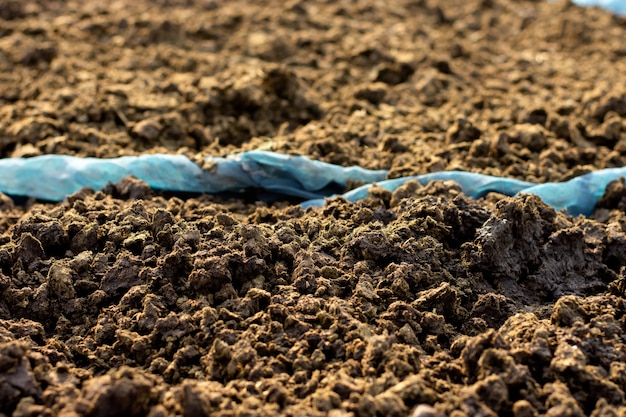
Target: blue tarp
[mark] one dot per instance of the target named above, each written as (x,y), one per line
(616,6)
(576,196)
(53,177)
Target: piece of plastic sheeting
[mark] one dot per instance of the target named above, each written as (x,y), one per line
(615,6)
(578,195)
(53,177)
(473,185)
(299,176)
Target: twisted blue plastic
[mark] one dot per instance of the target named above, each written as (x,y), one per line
(576,196)
(54,177)
(616,6)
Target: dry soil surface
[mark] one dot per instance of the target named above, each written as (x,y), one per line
(422,301)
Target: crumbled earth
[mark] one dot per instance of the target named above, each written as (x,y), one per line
(419,302)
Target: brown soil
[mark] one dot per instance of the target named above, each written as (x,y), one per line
(423,301)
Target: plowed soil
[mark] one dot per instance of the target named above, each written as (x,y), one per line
(419,302)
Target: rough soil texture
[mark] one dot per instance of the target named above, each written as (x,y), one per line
(419,302)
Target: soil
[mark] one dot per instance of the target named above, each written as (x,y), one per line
(419,302)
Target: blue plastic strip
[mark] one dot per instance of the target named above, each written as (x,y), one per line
(615,6)
(576,196)
(54,177)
